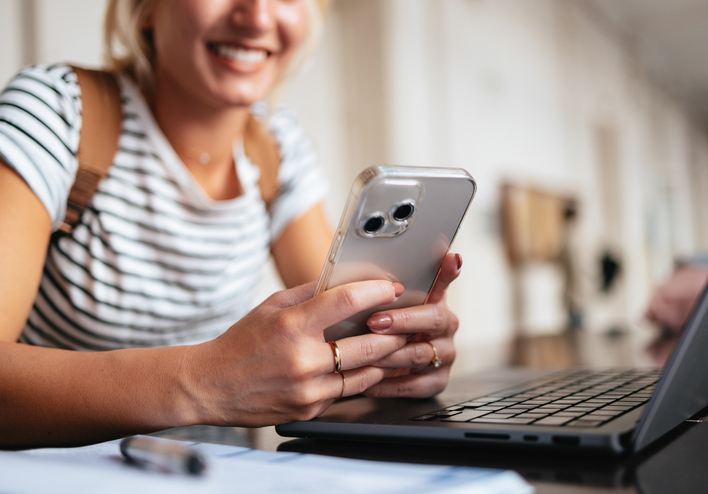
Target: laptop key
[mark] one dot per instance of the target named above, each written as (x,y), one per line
(520,408)
(530,415)
(464,416)
(478,402)
(500,415)
(605,413)
(585,423)
(569,414)
(584,409)
(427,416)
(513,421)
(553,420)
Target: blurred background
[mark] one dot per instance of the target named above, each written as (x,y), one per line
(584,122)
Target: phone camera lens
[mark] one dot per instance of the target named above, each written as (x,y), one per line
(373,224)
(403,212)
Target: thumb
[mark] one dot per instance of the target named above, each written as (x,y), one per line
(294,296)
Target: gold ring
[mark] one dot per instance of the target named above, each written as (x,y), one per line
(344,385)
(435,362)
(337,358)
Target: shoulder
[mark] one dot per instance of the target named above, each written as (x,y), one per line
(280,121)
(40,121)
(293,141)
(50,88)
(59,78)
(302,181)
(282,118)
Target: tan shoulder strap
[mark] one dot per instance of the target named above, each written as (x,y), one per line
(261,149)
(101,123)
(101,115)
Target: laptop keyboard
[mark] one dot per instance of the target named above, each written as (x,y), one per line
(581,398)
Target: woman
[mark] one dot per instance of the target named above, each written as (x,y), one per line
(160,271)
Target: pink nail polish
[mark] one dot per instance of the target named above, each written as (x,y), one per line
(398,289)
(380,322)
(458,258)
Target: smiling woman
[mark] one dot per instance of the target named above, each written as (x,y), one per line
(128,47)
(154,284)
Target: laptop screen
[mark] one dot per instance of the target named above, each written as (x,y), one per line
(682,390)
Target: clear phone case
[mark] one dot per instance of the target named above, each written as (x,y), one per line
(397,225)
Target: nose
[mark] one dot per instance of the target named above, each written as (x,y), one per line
(253,15)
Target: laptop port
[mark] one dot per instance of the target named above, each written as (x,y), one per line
(483,435)
(566,440)
(531,438)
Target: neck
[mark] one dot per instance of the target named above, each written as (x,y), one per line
(193,130)
(203,137)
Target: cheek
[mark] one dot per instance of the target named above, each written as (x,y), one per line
(293,23)
(176,24)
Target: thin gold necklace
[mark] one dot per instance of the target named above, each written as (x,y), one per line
(201,156)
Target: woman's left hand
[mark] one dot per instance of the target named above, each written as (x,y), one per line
(432,326)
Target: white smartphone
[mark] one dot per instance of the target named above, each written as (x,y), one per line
(398,224)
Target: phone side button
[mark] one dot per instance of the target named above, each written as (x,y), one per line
(335,247)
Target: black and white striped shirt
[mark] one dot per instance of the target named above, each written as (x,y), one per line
(154,261)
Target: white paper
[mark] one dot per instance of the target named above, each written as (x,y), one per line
(100,469)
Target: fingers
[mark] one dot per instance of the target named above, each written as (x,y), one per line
(342,302)
(419,355)
(304,400)
(422,385)
(359,351)
(449,271)
(294,296)
(433,319)
(352,382)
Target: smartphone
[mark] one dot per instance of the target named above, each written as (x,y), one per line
(398,224)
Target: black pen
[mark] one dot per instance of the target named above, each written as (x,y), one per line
(162,454)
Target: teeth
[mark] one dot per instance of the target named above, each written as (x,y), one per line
(241,54)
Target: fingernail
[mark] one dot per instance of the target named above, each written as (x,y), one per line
(398,288)
(458,258)
(380,323)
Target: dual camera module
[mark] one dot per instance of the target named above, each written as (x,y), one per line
(400,214)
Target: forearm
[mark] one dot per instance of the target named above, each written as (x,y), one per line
(58,397)
(302,248)
(271,367)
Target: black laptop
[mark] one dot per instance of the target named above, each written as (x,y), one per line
(614,411)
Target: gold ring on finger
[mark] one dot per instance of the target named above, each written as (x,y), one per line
(337,357)
(436,361)
(344,385)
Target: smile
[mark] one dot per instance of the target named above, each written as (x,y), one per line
(237,54)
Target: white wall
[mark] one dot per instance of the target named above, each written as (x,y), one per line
(508,89)
(11,56)
(69,30)
(511,89)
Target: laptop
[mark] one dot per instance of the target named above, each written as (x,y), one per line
(613,411)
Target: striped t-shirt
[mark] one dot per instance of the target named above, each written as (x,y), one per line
(154,261)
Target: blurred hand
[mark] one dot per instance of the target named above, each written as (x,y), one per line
(430,324)
(274,366)
(672,302)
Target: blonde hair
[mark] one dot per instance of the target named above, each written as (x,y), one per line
(127,45)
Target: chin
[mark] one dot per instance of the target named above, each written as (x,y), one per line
(244,95)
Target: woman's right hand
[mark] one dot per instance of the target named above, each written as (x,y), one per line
(274,366)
